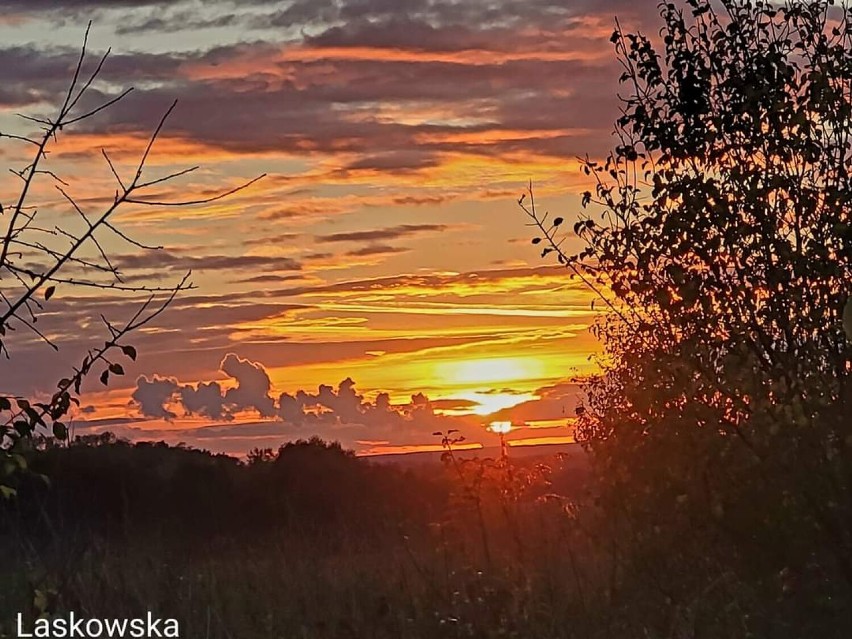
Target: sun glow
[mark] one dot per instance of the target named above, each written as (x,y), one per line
(501,428)
(490,371)
(488,403)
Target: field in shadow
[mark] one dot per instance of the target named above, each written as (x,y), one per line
(307,542)
(311,541)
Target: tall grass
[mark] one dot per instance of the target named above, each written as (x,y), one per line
(473,548)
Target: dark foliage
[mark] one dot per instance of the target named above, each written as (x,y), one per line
(308,540)
(114,489)
(719,236)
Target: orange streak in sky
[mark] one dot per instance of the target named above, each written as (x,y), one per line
(264,60)
(535,441)
(426,448)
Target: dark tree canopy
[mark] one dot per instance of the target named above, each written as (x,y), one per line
(719,235)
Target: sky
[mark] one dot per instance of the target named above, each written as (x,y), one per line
(379,284)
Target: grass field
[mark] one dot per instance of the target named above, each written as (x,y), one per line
(314,542)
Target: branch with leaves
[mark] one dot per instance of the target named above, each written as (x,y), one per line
(35,257)
(718,233)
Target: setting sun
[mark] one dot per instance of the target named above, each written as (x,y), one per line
(490,371)
(501,428)
(488,403)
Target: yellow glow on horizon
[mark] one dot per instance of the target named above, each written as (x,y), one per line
(489,370)
(538,441)
(500,428)
(492,403)
(416,448)
(488,403)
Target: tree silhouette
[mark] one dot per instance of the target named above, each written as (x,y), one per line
(719,239)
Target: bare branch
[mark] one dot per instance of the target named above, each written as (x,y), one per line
(92,235)
(114,285)
(199,201)
(114,172)
(168,177)
(48,259)
(139,319)
(21,138)
(130,240)
(105,105)
(43,337)
(151,143)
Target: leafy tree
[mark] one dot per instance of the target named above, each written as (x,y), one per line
(37,260)
(719,238)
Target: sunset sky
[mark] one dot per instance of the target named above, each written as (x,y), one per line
(379,284)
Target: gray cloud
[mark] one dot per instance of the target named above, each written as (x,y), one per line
(253,386)
(171,261)
(153,395)
(555,402)
(269,279)
(377,249)
(208,398)
(283,105)
(394,162)
(390,233)
(337,413)
(184,20)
